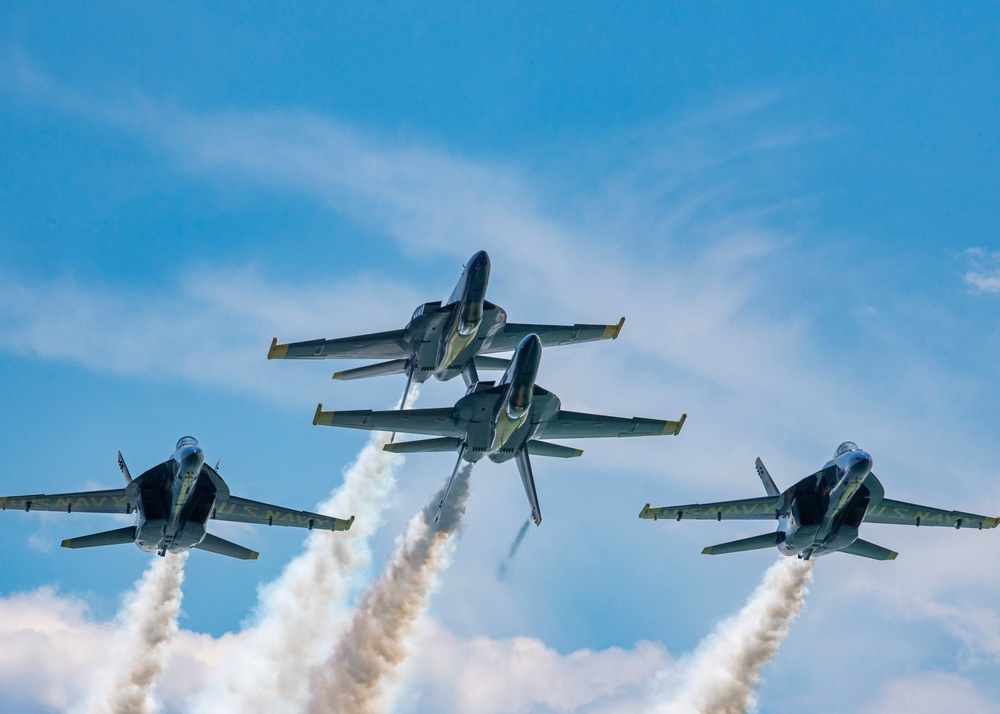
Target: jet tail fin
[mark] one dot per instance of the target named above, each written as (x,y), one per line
(124,468)
(869,550)
(215,544)
(528,479)
(768,540)
(119,536)
(447,490)
(766,479)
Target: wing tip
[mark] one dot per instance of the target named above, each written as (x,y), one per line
(644,513)
(892,555)
(321,417)
(617,328)
(707,550)
(67,543)
(276,351)
(253,555)
(679,424)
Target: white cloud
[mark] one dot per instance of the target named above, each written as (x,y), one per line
(931,693)
(984,275)
(210,330)
(523,674)
(47,662)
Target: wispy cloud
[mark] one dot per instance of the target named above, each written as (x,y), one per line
(210,329)
(984,272)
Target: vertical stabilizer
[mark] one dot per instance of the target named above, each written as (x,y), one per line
(766,479)
(447,490)
(124,468)
(528,479)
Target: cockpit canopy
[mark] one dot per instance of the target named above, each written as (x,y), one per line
(846,447)
(187,441)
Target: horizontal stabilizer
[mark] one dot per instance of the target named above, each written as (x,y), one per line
(214,544)
(869,550)
(545,448)
(396,366)
(423,446)
(768,540)
(487,364)
(118,536)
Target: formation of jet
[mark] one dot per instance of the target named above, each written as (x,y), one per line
(513,419)
(444,340)
(502,421)
(173,502)
(821,513)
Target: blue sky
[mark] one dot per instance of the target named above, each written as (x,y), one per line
(795,207)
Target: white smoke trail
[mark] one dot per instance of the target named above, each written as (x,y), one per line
(723,672)
(355,677)
(300,614)
(149,621)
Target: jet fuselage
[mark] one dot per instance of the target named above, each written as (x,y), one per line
(466,314)
(175,501)
(828,507)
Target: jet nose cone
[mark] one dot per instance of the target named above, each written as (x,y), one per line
(861,461)
(479,267)
(531,346)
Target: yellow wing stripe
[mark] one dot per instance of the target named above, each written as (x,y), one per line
(277,351)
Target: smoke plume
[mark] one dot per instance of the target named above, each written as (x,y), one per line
(723,672)
(355,677)
(300,614)
(148,621)
(505,563)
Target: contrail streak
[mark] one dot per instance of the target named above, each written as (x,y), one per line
(723,672)
(505,563)
(149,621)
(300,615)
(355,677)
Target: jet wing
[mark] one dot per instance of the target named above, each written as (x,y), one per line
(508,337)
(242,510)
(433,422)
(910,514)
(577,425)
(378,345)
(116,500)
(747,509)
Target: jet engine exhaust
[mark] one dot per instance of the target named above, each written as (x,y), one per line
(308,603)
(148,621)
(356,676)
(721,675)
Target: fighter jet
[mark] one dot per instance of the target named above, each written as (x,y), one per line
(173,502)
(502,421)
(443,340)
(821,513)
